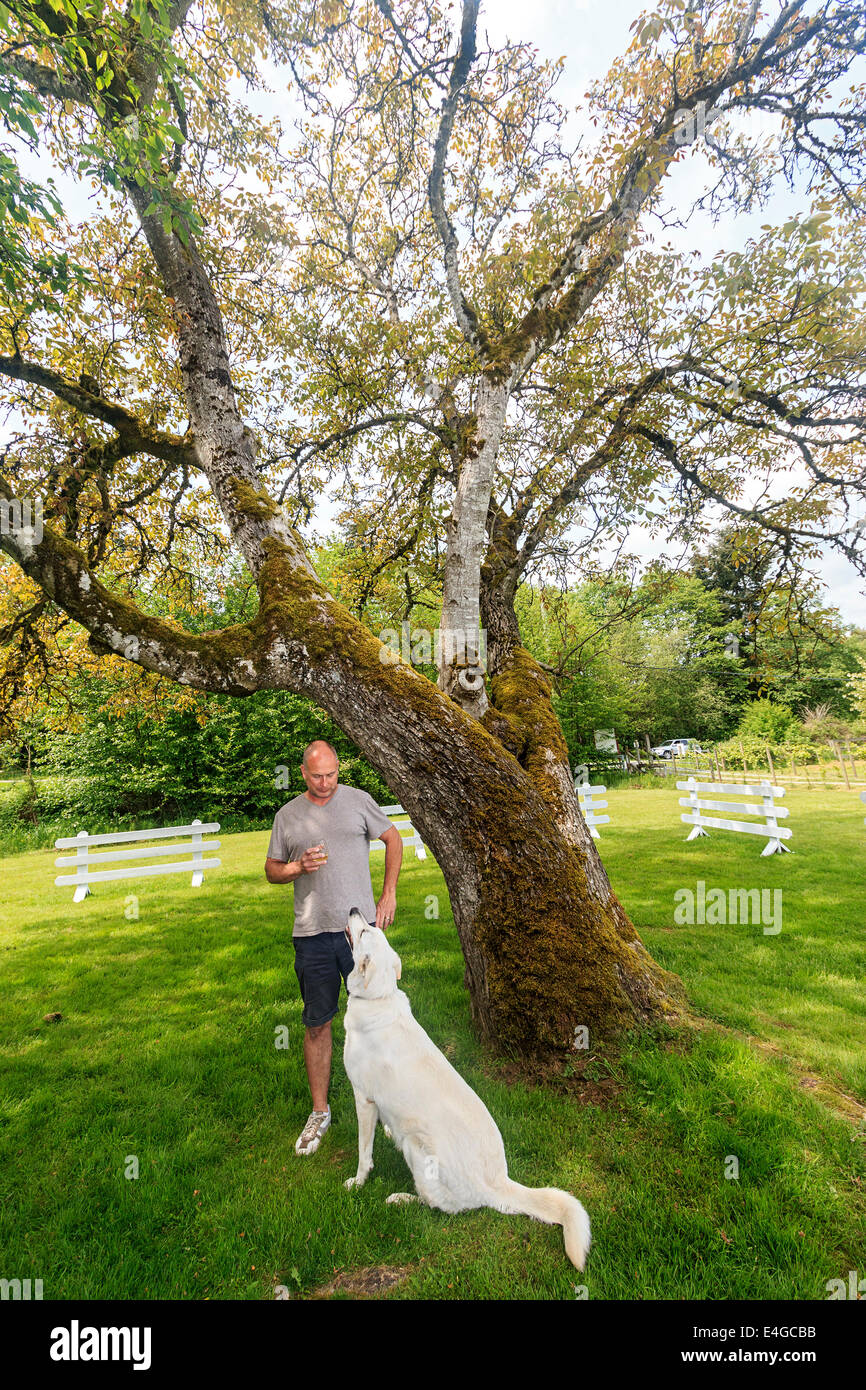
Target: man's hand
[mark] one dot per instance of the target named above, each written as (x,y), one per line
(386,908)
(276,871)
(311,860)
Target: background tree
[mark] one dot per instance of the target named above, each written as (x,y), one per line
(644,659)
(790,642)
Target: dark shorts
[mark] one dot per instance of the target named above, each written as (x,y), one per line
(320,962)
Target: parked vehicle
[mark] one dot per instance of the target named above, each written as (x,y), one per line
(677,748)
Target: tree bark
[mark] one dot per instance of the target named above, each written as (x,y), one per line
(461,673)
(522,715)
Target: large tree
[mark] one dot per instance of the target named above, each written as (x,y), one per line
(427,286)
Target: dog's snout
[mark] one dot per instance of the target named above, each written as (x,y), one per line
(353,912)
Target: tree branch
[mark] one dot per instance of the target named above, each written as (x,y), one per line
(465,314)
(210,661)
(545,324)
(133,435)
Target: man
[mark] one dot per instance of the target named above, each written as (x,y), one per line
(327,885)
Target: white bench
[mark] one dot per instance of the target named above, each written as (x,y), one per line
(413,839)
(863,798)
(589,807)
(83,859)
(767,809)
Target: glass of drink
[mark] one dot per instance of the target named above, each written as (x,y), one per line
(322,848)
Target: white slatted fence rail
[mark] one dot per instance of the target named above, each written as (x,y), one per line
(589,806)
(83,860)
(412,839)
(768,809)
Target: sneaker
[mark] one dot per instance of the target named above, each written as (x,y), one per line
(311,1135)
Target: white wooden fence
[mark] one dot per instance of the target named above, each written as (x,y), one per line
(589,806)
(412,839)
(83,859)
(767,809)
(863,798)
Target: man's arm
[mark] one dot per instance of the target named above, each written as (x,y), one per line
(278,872)
(386,907)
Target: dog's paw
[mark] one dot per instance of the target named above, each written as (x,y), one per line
(356,1181)
(398,1197)
(388,1134)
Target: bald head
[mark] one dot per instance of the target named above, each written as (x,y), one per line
(320,770)
(318,746)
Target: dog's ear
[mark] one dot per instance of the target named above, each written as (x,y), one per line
(364,969)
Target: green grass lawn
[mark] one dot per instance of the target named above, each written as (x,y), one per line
(166,1052)
(802,989)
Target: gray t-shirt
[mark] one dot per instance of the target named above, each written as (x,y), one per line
(348,821)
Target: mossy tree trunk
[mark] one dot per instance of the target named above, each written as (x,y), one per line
(522,714)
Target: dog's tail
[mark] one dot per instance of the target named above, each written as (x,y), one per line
(554,1206)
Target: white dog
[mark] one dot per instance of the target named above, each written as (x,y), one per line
(447,1135)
